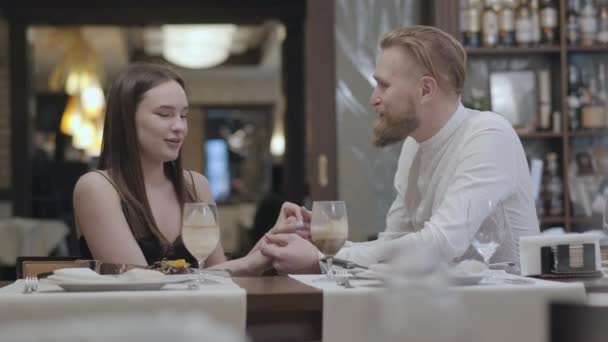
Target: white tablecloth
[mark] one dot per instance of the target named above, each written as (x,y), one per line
(223,302)
(29,237)
(494,313)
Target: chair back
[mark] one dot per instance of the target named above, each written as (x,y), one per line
(578,322)
(31,266)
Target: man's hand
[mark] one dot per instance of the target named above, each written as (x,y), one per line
(290,253)
(293,219)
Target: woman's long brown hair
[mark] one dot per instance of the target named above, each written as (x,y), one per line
(120,149)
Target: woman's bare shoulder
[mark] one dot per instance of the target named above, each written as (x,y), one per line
(94,183)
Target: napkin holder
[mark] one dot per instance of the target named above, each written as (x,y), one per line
(560,256)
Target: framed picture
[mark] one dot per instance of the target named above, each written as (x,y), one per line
(513,94)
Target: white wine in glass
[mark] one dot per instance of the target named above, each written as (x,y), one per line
(329,229)
(200,231)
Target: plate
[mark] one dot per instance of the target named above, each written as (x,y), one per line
(91,286)
(465,279)
(370,274)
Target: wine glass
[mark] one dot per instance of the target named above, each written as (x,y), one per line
(491,232)
(329,229)
(200,231)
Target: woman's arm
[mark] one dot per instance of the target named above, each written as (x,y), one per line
(100,219)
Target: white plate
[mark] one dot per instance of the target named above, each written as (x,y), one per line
(465,279)
(146,285)
(369,274)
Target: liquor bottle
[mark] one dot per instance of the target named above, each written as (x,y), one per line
(592,113)
(548,22)
(506,23)
(574,100)
(535,15)
(544,98)
(554,186)
(473,31)
(523,24)
(588,20)
(602,18)
(489,28)
(573,27)
(463,21)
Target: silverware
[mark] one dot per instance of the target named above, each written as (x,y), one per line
(345,263)
(502,264)
(342,279)
(30,284)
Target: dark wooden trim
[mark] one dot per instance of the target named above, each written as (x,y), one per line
(443,14)
(6,194)
(294,161)
(21,145)
(132,12)
(321,97)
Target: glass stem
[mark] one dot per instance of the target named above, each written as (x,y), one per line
(201,266)
(330,270)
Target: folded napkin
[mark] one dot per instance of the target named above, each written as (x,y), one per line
(530,249)
(79,274)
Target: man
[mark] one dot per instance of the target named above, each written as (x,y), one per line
(458,167)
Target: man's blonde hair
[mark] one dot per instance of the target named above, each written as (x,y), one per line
(437,53)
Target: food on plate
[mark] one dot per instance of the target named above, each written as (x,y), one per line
(179,266)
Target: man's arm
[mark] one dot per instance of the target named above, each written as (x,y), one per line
(485,172)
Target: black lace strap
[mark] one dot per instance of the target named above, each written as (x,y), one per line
(193,186)
(123,205)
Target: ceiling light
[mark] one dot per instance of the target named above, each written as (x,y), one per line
(197,46)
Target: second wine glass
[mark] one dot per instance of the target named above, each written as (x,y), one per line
(200,231)
(329,229)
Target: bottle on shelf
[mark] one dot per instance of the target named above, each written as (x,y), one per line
(554,189)
(602,91)
(574,97)
(602,21)
(544,99)
(549,19)
(573,27)
(489,29)
(534,13)
(523,24)
(506,23)
(588,20)
(472,33)
(592,114)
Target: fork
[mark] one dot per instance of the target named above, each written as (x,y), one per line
(31,284)
(342,279)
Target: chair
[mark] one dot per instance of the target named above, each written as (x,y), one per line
(578,322)
(34,265)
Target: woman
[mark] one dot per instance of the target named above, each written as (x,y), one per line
(129,211)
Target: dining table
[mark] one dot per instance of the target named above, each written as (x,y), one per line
(296,308)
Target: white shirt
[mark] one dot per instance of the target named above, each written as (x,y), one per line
(475,159)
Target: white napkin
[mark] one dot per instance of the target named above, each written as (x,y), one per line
(79,274)
(530,246)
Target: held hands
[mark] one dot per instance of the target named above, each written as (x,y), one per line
(293,219)
(290,253)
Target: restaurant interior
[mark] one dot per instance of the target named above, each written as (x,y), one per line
(279,111)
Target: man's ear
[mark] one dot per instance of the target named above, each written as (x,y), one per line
(428,88)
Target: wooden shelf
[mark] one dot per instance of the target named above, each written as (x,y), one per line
(587,220)
(589,133)
(531,135)
(551,219)
(512,50)
(595,48)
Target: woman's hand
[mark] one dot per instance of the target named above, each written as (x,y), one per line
(293,219)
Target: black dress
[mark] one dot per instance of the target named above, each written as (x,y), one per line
(151,247)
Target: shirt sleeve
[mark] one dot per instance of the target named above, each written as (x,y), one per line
(484,172)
